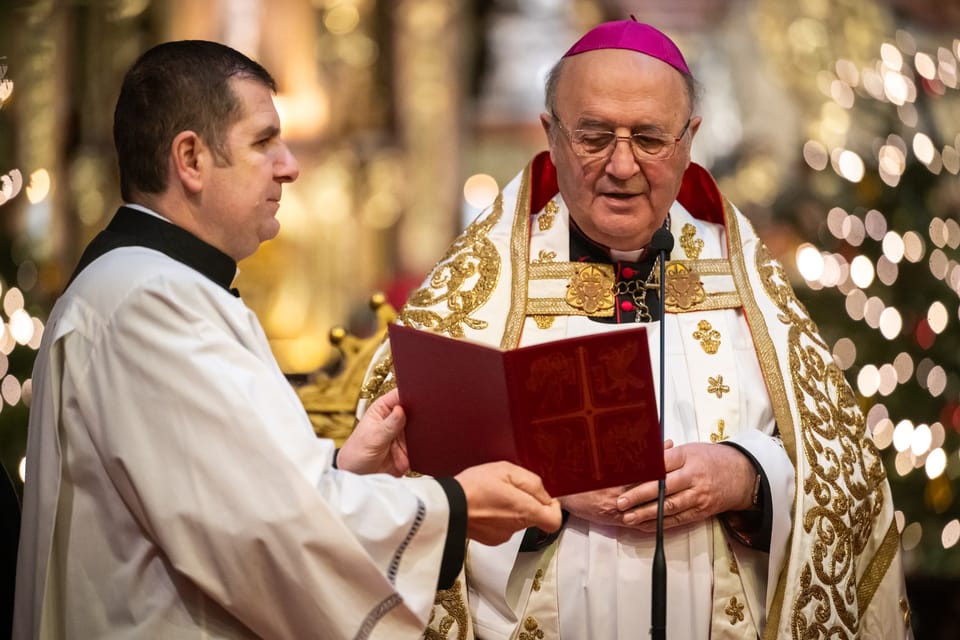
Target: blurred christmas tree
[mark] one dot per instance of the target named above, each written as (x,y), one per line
(878,201)
(20,333)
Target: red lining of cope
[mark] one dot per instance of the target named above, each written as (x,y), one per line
(698,191)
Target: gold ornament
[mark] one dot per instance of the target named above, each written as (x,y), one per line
(684,289)
(691,246)
(716,386)
(734,610)
(590,290)
(719,435)
(708,336)
(545,219)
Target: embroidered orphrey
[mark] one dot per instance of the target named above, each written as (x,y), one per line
(844,483)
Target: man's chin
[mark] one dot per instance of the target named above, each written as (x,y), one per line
(270,230)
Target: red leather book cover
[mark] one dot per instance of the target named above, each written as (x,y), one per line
(580,412)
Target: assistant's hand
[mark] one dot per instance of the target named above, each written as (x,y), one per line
(503,498)
(703,479)
(378,444)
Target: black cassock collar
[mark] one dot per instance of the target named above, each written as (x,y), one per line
(132,228)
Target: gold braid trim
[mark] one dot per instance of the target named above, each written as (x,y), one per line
(767,356)
(519,259)
(878,567)
(463,280)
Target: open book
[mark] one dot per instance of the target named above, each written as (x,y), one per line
(580,412)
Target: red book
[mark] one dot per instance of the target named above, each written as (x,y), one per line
(579,412)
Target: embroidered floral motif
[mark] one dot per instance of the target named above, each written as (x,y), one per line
(462,281)
(735,610)
(532,630)
(708,336)
(718,435)
(545,256)
(536,579)
(454,612)
(715,385)
(543,321)
(590,290)
(691,247)
(684,289)
(545,219)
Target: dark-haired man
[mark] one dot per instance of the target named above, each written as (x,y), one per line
(174,487)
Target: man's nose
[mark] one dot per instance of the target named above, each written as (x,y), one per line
(288,168)
(622,162)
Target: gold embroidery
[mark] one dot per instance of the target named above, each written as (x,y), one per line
(463,281)
(735,610)
(844,486)
(545,256)
(718,435)
(691,247)
(683,286)
(708,336)
(380,379)
(545,219)
(905,609)
(532,630)
(590,290)
(543,322)
(454,607)
(536,579)
(734,569)
(715,385)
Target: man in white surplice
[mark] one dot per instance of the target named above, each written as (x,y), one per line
(174,485)
(778,519)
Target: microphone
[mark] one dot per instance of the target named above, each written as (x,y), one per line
(662,242)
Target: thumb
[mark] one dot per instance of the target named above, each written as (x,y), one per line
(394,422)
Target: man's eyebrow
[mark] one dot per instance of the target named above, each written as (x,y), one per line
(594,123)
(269,131)
(587,122)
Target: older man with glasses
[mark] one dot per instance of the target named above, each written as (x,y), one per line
(777,513)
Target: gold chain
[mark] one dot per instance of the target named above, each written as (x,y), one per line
(638,291)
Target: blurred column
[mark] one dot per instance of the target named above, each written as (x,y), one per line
(429,85)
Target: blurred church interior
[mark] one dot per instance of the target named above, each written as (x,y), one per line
(830,123)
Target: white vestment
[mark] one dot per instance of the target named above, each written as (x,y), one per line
(175,487)
(742,359)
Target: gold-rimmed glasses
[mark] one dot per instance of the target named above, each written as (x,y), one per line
(597,144)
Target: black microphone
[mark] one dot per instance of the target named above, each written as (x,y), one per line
(661,242)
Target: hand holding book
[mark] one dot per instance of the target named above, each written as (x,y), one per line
(579,412)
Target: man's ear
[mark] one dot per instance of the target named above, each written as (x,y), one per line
(695,122)
(187,153)
(546,121)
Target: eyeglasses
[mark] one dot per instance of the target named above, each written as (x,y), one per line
(597,144)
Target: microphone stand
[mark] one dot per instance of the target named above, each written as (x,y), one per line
(663,241)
